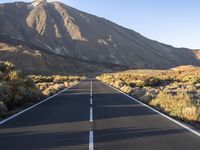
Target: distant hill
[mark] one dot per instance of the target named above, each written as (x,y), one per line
(69,39)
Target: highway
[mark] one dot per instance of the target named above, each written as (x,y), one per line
(93,116)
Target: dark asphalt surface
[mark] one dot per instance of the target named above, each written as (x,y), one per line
(119,123)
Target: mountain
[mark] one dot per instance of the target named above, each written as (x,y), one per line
(34,61)
(57,30)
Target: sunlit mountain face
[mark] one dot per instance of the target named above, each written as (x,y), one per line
(55,29)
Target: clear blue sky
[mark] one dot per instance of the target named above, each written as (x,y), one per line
(174,22)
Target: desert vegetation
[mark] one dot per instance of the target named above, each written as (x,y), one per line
(18,90)
(175,92)
(49,85)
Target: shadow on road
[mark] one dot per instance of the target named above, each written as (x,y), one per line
(64,138)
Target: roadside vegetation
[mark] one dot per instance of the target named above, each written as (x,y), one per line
(18,90)
(175,92)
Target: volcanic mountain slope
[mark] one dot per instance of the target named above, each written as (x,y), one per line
(61,30)
(34,61)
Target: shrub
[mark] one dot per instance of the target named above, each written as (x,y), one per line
(174,92)
(9,66)
(28,82)
(146,98)
(49,91)
(5,93)
(119,84)
(126,89)
(152,81)
(15,75)
(177,105)
(2,67)
(132,84)
(17,89)
(40,79)
(6,66)
(191,78)
(60,79)
(3,109)
(137,92)
(66,84)
(140,83)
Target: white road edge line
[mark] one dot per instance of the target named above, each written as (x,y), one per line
(31,107)
(91,142)
(160,113)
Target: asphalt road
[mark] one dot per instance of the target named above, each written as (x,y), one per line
(94,117)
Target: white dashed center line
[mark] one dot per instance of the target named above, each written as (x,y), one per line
(91,114)
(91,134)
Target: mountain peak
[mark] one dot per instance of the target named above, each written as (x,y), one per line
(40,1)
(37,2)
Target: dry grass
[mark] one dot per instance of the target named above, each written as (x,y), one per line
(175,92)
